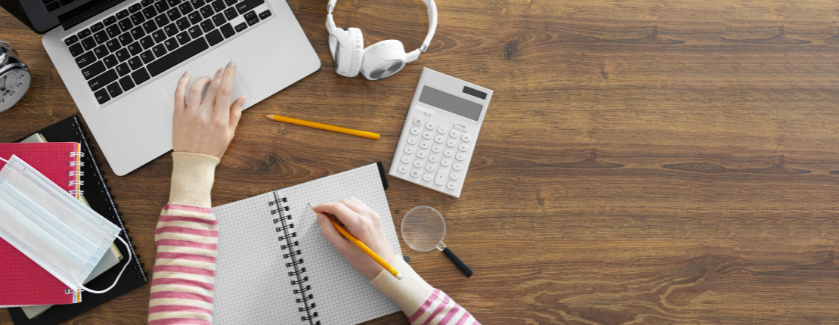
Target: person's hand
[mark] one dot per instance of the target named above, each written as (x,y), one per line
(206,126)
(363,223)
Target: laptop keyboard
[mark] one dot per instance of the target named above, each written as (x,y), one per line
(148,38)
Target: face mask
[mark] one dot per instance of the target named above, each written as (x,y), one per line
(52,228)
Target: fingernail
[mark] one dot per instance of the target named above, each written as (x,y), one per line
(231,64)
(186,73)
(320,217)
(220,70)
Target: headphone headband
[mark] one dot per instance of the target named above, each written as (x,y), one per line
(432,23)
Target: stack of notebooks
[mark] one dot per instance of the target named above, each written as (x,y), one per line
(63,154)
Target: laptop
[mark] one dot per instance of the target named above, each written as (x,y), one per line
(121,60)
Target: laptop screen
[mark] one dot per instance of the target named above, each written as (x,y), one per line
(43,15)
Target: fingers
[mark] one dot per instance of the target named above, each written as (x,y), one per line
(194,100)
(180,92)
(224,91)
(236,112)
(357,206)
(327,229)
(210,98)
(340,211)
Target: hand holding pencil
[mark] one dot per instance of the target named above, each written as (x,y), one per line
(364,224)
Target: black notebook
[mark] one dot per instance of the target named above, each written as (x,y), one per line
(95,190)
(273,266)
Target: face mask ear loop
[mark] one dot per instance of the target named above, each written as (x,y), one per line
(128,261)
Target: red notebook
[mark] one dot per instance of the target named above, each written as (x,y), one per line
(22,281)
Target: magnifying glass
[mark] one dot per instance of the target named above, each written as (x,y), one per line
(423,229)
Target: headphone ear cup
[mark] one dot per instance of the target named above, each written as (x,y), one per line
(383,59)
(339,45)
(356,47)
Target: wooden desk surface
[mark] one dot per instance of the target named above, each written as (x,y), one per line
(641,161)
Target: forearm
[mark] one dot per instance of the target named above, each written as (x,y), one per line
(186,237)
(422,303)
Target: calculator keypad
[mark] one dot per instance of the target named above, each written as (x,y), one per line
(434,155)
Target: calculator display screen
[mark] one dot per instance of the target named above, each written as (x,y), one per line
(451,103)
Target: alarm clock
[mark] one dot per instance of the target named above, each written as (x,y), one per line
(14,77)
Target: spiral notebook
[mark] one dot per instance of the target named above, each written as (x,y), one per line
(274,267)
(22,281)
(99,198)
(58,161)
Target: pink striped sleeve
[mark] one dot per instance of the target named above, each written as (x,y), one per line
(184,270)
(440,309)
(173,207)
(422,303)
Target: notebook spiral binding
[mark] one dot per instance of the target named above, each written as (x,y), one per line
(87,151)
(285,228)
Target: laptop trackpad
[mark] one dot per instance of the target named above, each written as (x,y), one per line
(207,69)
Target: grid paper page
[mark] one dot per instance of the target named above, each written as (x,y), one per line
(252,282)
(342,294)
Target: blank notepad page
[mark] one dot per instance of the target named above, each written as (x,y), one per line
(253,284)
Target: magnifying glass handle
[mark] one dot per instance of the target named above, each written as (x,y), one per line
(457,262)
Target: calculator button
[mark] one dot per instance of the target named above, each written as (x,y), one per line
(448,152)
(442,129)
(430,125)
(457,166)
(410,150)
(425,144)
(436,148)
(451,143)
(412,140)
(460,156)
(430,168)
(418,163)
(446,162)
(427,135)
(403,169)
(406,160)
(439,139)
(417,121)
(415,173)
(454,176)
(454,134)
(463,147)
(427,177)
(466,137)
(433,159)
(441,176)
(451,185)
(422,154)
(415,131)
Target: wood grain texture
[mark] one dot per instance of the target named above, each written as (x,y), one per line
(642,162)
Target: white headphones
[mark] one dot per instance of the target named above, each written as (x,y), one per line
(380,60)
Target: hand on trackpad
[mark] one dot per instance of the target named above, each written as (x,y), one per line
(207,69)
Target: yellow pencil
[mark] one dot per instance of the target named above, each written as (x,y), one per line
(322,126)
(364,248)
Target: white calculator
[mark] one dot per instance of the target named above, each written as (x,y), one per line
(440,132)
